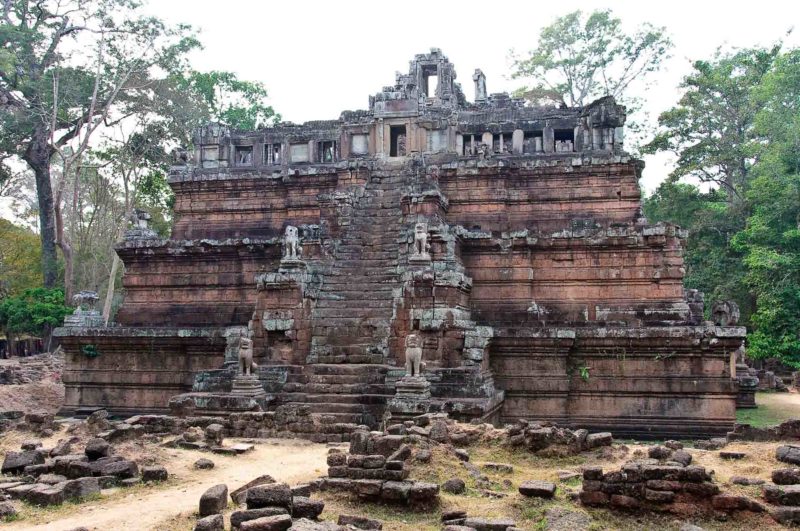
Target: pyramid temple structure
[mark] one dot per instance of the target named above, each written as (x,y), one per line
(497,248)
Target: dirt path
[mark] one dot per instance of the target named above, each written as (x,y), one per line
(286,460)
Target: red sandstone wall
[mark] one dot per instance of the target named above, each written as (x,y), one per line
(257,207)
(542,199)
(193,286)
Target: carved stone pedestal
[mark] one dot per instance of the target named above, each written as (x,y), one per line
(247,386)
(748,385)
(412,398)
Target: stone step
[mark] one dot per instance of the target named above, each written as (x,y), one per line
(365,368)
(345,379)
(342,403)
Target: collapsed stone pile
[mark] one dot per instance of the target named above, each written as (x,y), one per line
(51,476)
(288,421)
(32,369)
(376,469)
(548,438)
(270,506)
(39,423)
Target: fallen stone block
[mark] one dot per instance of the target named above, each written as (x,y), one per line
(81,489)
(303,507)
(783,494)
(51,479)
(537,489)
(786,515)
(788,454)
(730,502)
(786,476)
(214,500)
(238,496)
(122,469)
(15,462)
(80,469)
(498,467)
(238,517)
(360,522)
(396,490)
(596,440)
(454,486)
(732,455)
(278,522)
(155,473)
(45,495)
(7,510)
(215,522)
(269,495)
(423,493)
(97,448)
(489,524)
(304,489)
(203,464)
(621,501)
(367,488)
(741,480)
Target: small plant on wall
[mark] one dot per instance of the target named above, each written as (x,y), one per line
(90,351)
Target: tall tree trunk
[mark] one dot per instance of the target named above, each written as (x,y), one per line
(37,155)
(62,239)
(112,279)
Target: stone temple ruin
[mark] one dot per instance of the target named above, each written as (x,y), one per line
(501,247)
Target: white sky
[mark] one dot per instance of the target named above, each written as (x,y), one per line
(318,58)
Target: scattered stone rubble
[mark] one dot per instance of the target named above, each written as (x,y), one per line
(32,369)
(545,438)
(51,476)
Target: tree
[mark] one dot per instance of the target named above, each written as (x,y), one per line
(771,240)
(54,98)
(35,311)
(711,130)
(20,259)
(712,265)
(579,59)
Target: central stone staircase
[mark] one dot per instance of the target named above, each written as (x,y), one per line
(351,322)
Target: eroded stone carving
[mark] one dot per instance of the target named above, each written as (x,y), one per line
(480,85)
(725,313)
(246,363)
(85,313)
(421,246)
(140,226)
(413,356)
(292,250)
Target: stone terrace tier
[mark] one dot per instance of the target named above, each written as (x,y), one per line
(509,239)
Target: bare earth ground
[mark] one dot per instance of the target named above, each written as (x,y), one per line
(173,505)
(42,397)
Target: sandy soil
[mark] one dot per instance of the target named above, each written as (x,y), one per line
(143,509)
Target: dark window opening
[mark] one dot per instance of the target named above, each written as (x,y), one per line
(564,140)
(497,143)
(397,138)
(430,80)
(327,151)
(272,154)
(244,155)
(532,141)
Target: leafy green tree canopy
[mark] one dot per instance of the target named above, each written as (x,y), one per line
(580,58)
(33,311)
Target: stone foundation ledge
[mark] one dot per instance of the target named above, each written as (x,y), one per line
(141,331)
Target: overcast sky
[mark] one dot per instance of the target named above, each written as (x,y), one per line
(320,58)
